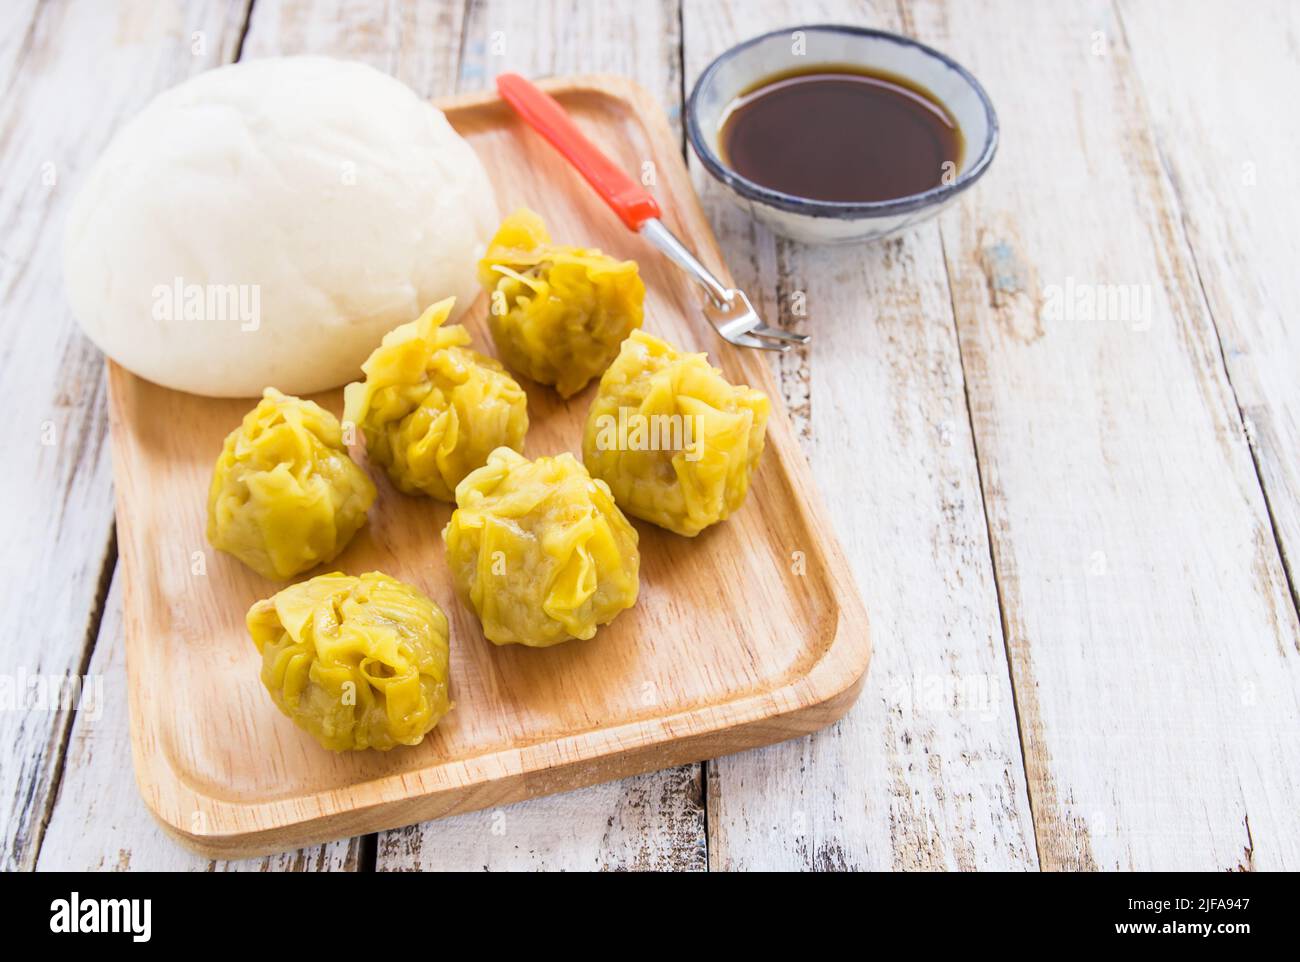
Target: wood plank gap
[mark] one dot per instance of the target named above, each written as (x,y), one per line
(243,31)
(681,100)
(24,47)
(704,807)
(368,853)
(466,12)
(993,560)
(701,769)
(1182,207)
(63,734)
(1278,543)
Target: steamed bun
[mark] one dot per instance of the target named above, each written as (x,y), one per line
(267,222)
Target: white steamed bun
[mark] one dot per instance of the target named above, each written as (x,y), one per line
(323,201)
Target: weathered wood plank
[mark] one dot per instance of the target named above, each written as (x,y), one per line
(555,37)
(655,821)
(925,772)
(17,24)
(1216,96)
(648,823)
(79,71)
(100,822)
(1133,545)
(417,42)
(1152,635)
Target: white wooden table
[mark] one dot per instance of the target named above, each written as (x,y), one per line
(1074,518)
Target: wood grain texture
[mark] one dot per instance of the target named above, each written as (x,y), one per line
(105,810)
(417,41)
(17,28)
(1146,602)
(541,38)
(100,824)
(1152,635)
(925,772)
(648,823)
(695,669)
(1212,93)
(78,70)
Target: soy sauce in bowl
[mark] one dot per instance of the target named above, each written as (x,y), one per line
(841,133)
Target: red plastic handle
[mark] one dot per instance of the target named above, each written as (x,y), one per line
(633,203)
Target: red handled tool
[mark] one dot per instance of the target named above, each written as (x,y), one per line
(730,311)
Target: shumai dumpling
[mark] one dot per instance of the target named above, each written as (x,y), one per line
(557,314)
(674,440)
(432,410)
(285,496)
(359,662)
(540,551)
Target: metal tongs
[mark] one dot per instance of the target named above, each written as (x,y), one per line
(729,311)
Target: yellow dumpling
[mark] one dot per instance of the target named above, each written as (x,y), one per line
(557,314)
(432,410)
(359,662)
(285,496)
(674,440)
(539,550)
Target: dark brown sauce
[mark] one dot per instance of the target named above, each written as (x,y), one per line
(841,133)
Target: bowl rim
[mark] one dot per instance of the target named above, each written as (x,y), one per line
(841,210)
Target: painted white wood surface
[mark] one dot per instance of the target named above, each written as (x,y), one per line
(1218,99)
(1152,635)
(17,26)
(925,771)
(98,820)
(100,824)
(1104,523)
(78,71)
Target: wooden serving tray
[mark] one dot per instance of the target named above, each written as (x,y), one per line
(749,634)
